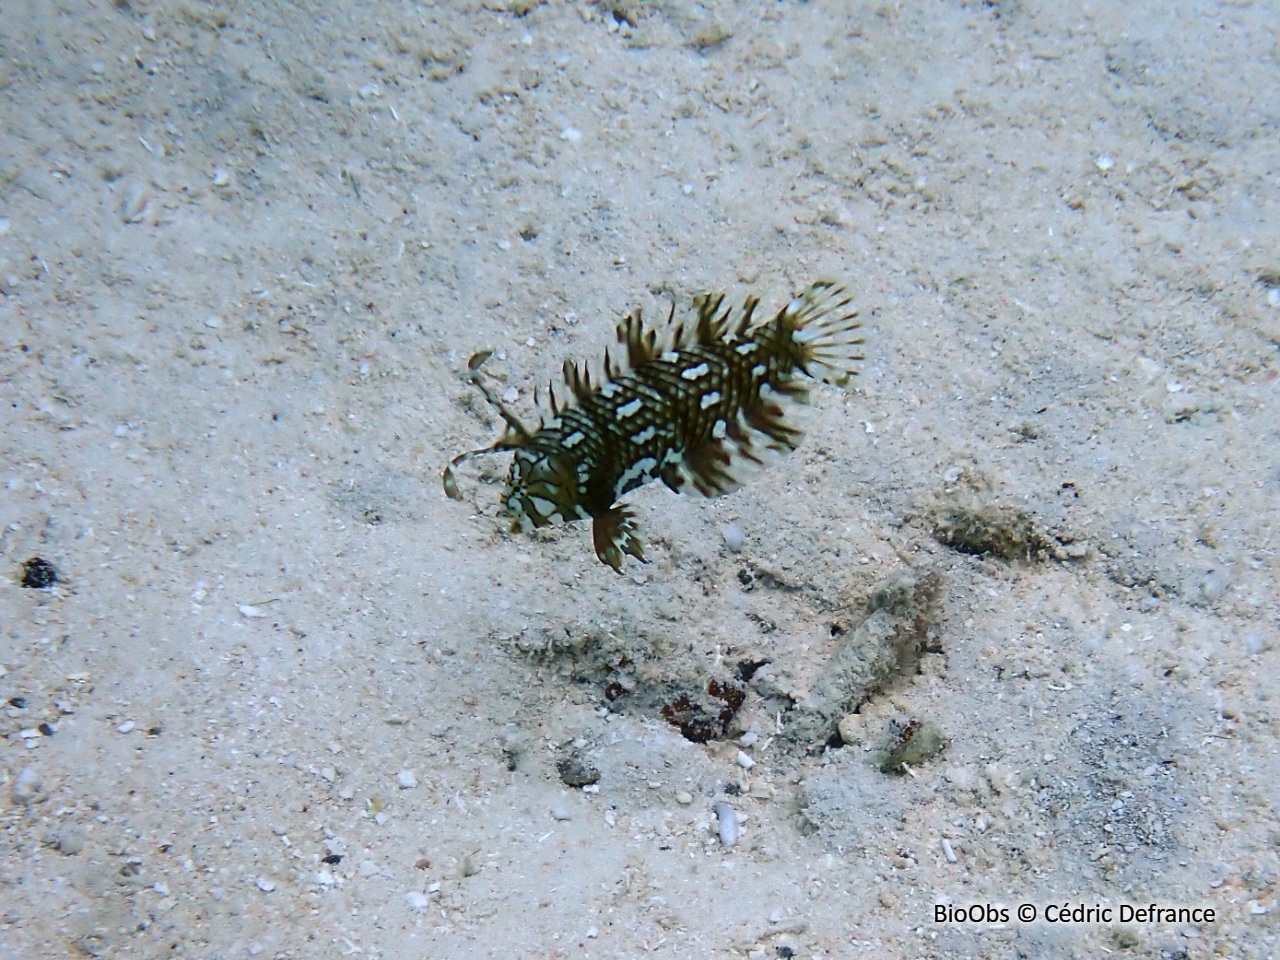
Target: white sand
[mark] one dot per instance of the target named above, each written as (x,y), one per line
(245,252)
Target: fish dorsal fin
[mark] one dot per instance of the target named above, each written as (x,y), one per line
(641,343)
(713,317)
(553,402)
(577,378)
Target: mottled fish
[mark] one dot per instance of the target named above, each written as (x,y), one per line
(690,409)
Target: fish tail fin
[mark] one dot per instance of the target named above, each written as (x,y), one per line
(825,330)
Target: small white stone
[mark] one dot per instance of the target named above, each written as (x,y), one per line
(324,878)
(572,134)
(1104,163)
(560,812)
(249,611)
(265,885)
(328,773)
(126,727)
(592,933)
(748,739)
(687,188)
(744,761)
(733,537)
(684,797)
(511,395)
(948,851)
(727,818)
(417,900)
(161,888)
(406,779)
(213,323)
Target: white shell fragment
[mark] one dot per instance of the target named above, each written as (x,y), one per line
(728,819)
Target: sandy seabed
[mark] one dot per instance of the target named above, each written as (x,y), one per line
(1003,632)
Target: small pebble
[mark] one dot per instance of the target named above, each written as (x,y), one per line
(744,761)
(126,727)
(948,851)
(592,933)
(328,773)
(417,900)
(38,574)
(406,779)
(572,134)
(265,885)
(576,771)
(69,839)
(728,823)
(733,537)
(684,797)
(559,812)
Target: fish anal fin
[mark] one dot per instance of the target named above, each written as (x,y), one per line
(615,533)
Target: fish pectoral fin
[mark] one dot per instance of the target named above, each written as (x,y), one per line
(615,533)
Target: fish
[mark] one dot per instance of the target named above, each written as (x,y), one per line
(697,407)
